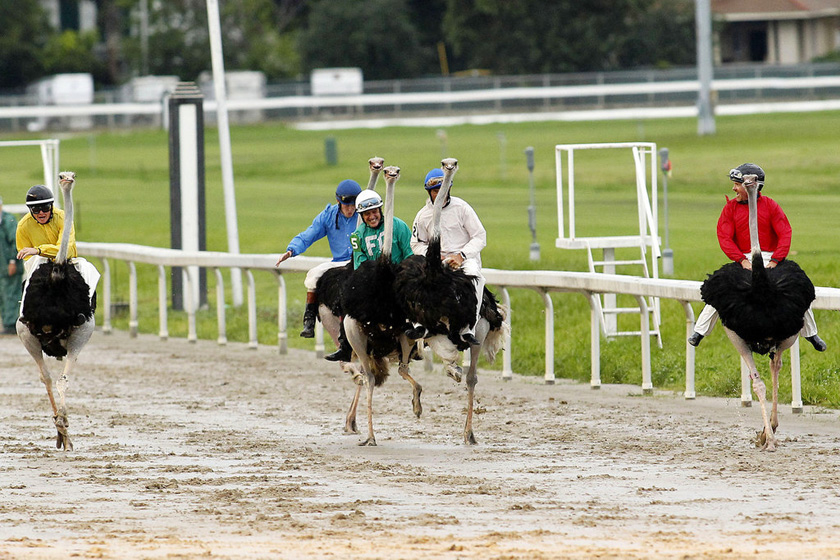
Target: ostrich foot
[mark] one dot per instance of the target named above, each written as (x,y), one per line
(350,427)
(454,371)
(763,442)
(369,442)
(415,402)
(62,439)
(469,438)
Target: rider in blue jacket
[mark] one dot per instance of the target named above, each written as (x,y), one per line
(337,223)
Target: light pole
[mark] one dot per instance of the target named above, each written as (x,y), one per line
(667,253)
(532,209)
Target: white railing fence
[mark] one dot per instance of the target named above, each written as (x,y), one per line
(590,285)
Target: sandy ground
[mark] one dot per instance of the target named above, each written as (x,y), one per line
(194,450)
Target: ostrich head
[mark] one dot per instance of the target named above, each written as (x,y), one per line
(66,179)
(449,164)
(392,173)
(375,164)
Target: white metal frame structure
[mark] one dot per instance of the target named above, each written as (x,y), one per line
(49,160)
(645,164)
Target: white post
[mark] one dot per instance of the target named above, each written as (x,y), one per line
(689,351)
(214,28)
(595,342)
(507,369)
(795,381)
(549,338)
(746,395)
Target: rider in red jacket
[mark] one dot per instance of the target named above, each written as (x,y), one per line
(733,231)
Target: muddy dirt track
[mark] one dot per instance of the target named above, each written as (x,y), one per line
(194,450)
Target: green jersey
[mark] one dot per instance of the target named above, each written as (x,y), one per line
(367,242)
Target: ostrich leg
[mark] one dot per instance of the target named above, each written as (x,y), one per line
(472,380)
(358,341)
(350,420)
(766,440)
(59,417)
(406,347)
(775,368)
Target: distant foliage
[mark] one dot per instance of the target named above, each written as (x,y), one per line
(376,35)
(25,30)
(534,36)
(387,39)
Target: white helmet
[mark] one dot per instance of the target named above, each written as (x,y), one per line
(368,200)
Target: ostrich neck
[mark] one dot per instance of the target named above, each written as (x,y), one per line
(374,175)
(440,202)
(752,200)
(68,225)
(388,218)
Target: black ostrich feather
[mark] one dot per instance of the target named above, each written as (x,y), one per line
(368,296)
(763,306)
(56,302)
(432,294)
(329,287)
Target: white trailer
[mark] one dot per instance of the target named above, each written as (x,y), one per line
(64,90)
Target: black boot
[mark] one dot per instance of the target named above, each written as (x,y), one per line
(695,338)
(344,352)
(819,344)
(309,320)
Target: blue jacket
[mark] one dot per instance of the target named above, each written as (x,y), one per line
(332,224)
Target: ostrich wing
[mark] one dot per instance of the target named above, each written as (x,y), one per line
(329,287)
(56,302)
(368,295)
(434,295)
(763,305)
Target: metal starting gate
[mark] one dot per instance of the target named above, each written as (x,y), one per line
(643,244)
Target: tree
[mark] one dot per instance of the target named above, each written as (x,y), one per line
(535,36)
(72,51)
(375,35)
(25,29)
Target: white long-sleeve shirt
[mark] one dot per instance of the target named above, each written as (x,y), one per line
(461,230)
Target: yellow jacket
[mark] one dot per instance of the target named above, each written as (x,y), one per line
(45,237)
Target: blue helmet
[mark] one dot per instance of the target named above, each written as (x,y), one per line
(347,191)
(434,179)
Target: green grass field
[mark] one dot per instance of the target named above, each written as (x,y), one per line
(282,181)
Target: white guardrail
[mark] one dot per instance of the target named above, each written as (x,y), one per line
(444,98)
(587,284)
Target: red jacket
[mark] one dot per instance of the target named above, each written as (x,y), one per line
(733,229)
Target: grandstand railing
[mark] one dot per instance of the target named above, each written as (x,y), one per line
(653,90)
(587,284)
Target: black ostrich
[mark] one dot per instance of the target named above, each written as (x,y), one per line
(57,316)
(330,313)
(443,301)
(762,311)
(373,321)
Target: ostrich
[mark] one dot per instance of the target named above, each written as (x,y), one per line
(373,321)
(328,288)
(762,311)
(330,313)
(443,301)
(57,315)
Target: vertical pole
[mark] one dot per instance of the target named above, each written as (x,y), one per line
(795,380)
(549,338)
(667,253)
(534,253)
(595,342)
(186,188)
(705,113)
(224,144)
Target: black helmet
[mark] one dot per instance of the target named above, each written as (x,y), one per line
(738,173)
(39,194)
